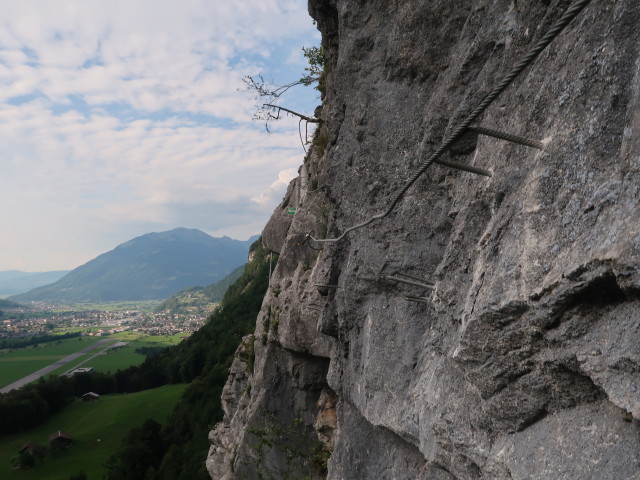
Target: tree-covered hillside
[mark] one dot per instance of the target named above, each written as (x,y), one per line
(195,298)
(8,304)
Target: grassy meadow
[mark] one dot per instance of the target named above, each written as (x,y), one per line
(125,356)
(17,363)
(97,428)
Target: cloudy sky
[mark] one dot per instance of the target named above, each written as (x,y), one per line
(120,118)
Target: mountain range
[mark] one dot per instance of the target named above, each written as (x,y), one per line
(150,267)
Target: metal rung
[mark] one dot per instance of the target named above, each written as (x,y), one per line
(465,167)
(416,299)
(367,277)
(415,278)
(508,136)
(408,282)
(323,285)
(316,308)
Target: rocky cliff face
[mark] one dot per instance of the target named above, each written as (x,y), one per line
(523,358)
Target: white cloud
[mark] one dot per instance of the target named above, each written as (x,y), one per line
(276,189)
(118,118)
(148,54)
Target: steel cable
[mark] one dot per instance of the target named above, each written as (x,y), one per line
(552,33)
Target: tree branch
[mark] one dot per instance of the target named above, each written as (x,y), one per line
(299,115)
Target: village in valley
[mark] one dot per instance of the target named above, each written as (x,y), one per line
(39,318)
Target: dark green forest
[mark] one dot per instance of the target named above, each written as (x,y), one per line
(8,304)
(178,449)
(35,340)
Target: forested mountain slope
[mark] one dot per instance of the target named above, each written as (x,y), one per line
(198,296)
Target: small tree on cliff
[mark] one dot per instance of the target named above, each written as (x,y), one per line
(268,94)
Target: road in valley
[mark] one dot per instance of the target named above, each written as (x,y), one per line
(50,368)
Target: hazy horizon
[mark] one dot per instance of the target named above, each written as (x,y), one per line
(111,248)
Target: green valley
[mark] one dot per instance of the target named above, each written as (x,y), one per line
(97,429)
(196,367)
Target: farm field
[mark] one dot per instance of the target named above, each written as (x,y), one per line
(97,428)
(125,356)
(18,363)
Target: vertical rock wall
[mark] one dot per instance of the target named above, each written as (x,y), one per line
(523,360)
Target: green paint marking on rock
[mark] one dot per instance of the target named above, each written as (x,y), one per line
(291,211)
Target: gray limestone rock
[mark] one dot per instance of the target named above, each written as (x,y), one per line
(522,361)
